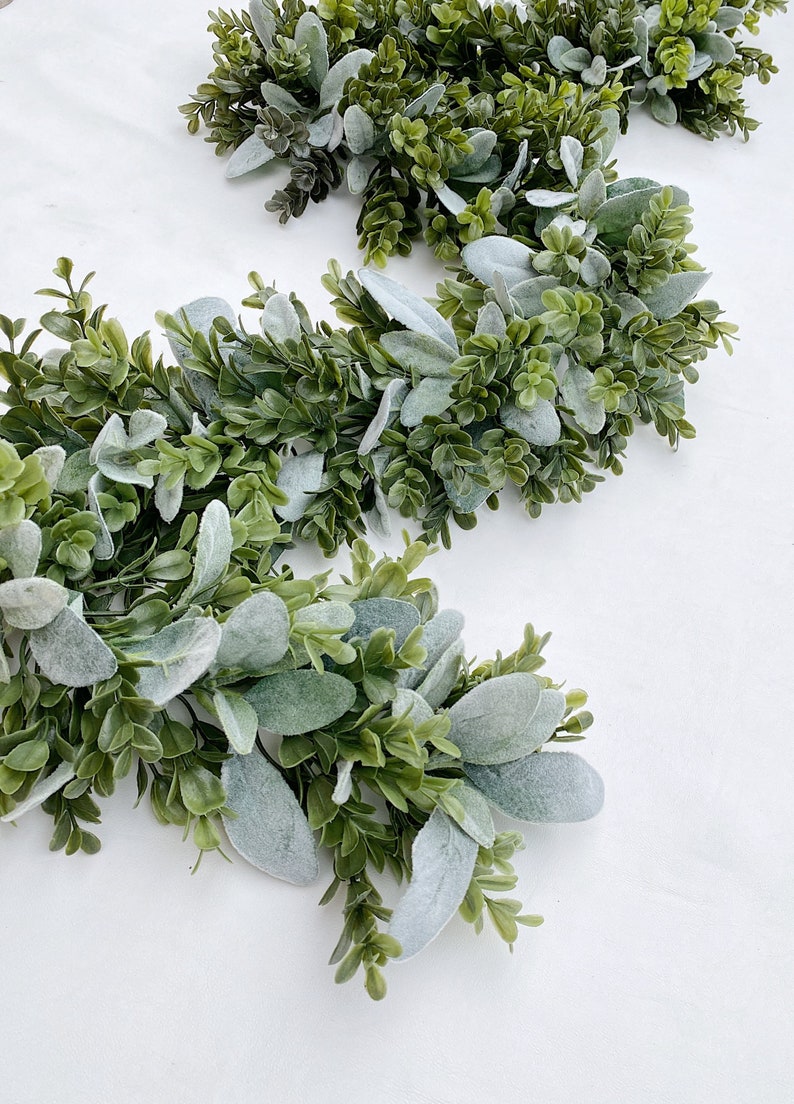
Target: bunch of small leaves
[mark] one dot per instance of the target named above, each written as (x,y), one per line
(147,629)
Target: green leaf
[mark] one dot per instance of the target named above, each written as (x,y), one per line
(201,791)
(69,652)
(406,307)
(439,681)
(415,704)
(270,830)
(359,129)
(442,859)
(263,20)
(31,603)
(427,102)
(200,314)
(592,194)
(547,787)
(292,702)
(44,788)
(255,635)
(30,755)
(213,552)
(238,720)
(476,820)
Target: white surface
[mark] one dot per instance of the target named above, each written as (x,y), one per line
(663,973)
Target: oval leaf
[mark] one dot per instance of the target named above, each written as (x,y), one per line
(69,652)
(300,478)
(680,289)
(293,702)
(494,253)
(255,635)
(489,722)
(31,603)
(476,821)
(590,415)
(20,547)
(384,613)
(249,155)
(338,75)
(238,720)
(439,681)
(547,787)
(406,307)
(44,788)
(539,426)
(280,321)
(200,314)
(438,634)
(430,398)
(213,551)
(443,858)
(180,654)
(310,35)
(420,352)
(359,129)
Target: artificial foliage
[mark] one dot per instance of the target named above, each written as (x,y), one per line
(440,115)
(323,729)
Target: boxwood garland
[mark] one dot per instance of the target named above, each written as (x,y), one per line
(440,115)
(146,628)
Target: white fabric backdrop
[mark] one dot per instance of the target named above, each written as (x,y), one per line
(663,972)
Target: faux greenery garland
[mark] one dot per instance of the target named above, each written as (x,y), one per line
(146,629)
(407,100)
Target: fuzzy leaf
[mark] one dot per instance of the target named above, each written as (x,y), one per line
(572,156)
(418,351)
(515,173)
(611,119)
(592,194)
(543,197)
(453,202)
(546,787)
(443,858)
(539,426)
(439,681)
(595,269)
(629,306)
(438,634)
(415,704)
(494,253)
(590,415)
(528,294)
(543,722)
(482,143)
(280,320)
(292,702)
(490,320)
(52,459)
(69,652)
(680,289)
(276,96)
(200,313)
(488,722)
(213,551)
(310,35)
(384,613)
(470,501)
(627,200)
(76,473)
(300,478)
(182,652)
(270,830)
(338,616)
(428,399)
(406,307)
(20,547)
(255,635)
(359,129)
(249,155)
(44,788)
(357,174)
(104,549)
(718,46)
(485,174)
(477,821)
(390,403)
(427,102)
(263,20)
(663,109)
(31,603)
(338,75)
(238,720)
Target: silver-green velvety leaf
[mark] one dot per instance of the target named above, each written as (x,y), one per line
(357,174)
(384,613)
(104,549)
(543,723)
(468,502)
(69,652)
(539,426)
(359,129)
(77,470)
(427,102)
(439,681)
(558,46)
(238,720)
(592,194)
(728,18)
(453,202)
(270,830)
(338,75)
(680,289)
(442,859)
(249,155)
(546,787)
(528,294)
(494,253)
(167,499)
(390,403)
(407,307)
(292,702)
(344,781)
(611,120)
(31,603)
(255,635)
(430,398)
(201,313)
(718,46)
(276,96)
(576,60)
(418,351)
(438,634)
(629,306)
(338,616)
(280,320)
(490,320)
(572,156)
(300,478)
(44,788)
(181,654)
(52,459)
(477,821)
(482,142)
(213,551)
(595,268)
(663,109)
(486,174)
(408,701)
(489,721)
(263,20)
(514,175)
(627,200)
(544,197)
(589,415)
(310,35)
(20,547)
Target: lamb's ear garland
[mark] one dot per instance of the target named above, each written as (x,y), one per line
(311,727)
